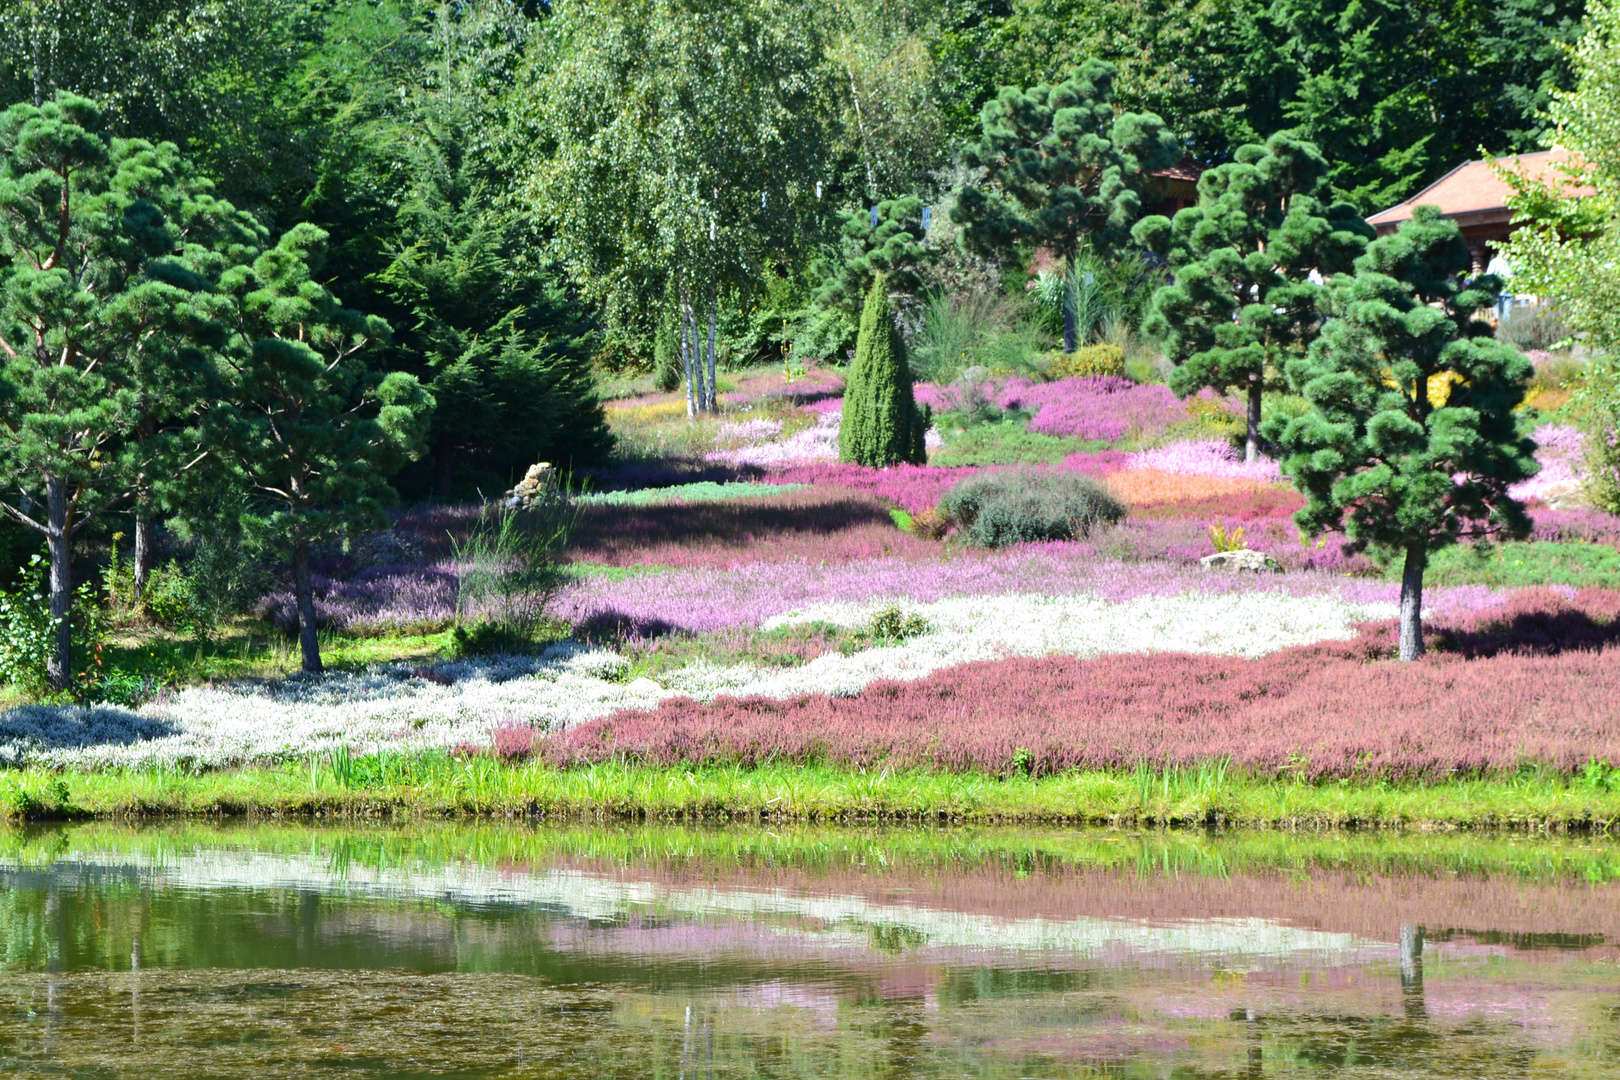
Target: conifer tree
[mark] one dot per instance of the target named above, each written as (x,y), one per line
(1060,169)
(882,424)
(306,432)
(101,303)
(1410,442)
(1241,302)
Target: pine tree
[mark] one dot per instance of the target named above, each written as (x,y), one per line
(101,303)
(306,432)
(1241,303)
(1060,170)
(882,424)
(1410,443)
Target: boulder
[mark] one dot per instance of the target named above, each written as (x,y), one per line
(1242,561)
(538,485)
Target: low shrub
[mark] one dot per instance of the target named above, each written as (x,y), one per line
(1018,506)
(1086,361)
(1532,326)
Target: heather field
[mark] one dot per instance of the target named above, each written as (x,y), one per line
(731,597)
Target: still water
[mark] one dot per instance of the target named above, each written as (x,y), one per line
(492,951)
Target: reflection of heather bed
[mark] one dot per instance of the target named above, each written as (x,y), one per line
(1320,710)
(1370,898)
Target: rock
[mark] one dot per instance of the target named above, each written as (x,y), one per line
(538,485)
(1242,561)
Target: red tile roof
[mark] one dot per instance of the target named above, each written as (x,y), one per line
(1473,187)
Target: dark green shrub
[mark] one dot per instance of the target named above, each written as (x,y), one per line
(882,424)
(1021,505)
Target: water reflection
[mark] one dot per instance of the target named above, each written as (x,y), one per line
(496,952)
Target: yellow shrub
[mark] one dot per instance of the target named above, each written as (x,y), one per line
(1088,360)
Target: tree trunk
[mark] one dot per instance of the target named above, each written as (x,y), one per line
(1251,444)
(688,359)
(1417,559)
(59,665)
(714,401)
(1071,297)
(304,591)
(145,551)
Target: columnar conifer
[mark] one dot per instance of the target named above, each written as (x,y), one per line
(882,424)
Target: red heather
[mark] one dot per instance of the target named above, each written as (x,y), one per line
(1545,693)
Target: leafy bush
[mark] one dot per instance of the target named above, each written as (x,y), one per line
(27,631)
(996,509)
(1086,361)
(1532,326)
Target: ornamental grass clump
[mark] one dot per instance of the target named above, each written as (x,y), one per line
(1018,506)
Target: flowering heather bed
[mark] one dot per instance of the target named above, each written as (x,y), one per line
(1105,407)
(1320,711)
(1558,449)
(703,599)
(1205,457)
(817,523)
(913,488)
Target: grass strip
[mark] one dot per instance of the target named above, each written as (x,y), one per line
(441,786)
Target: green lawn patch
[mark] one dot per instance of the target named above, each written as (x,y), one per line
(1520,565)
(1006,443)
(442,785)
(703,491)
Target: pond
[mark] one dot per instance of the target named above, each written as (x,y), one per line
(528,951)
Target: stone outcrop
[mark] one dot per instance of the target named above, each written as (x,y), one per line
(1242,561)
(538,485)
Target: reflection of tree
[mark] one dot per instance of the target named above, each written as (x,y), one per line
(1412,972)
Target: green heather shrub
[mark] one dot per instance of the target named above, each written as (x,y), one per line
(1518,565)
(882,424)
(1017,506)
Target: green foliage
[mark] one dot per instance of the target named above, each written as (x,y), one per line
(107,246)
(1569,246)
(892,249)
(1373,454)
(490,331)
(1241,305)
(1364,80)
(1060,169)
(964,330)
(28,630)
(1533,326)
(1023,505)
(1527,565)
(1087,361)
(891,626)
(882,424)
(508,573)
(1004,443)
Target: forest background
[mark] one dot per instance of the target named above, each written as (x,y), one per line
(429,141)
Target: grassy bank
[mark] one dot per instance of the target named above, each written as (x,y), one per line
(439,785)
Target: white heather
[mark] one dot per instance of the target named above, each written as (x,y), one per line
(395,708)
